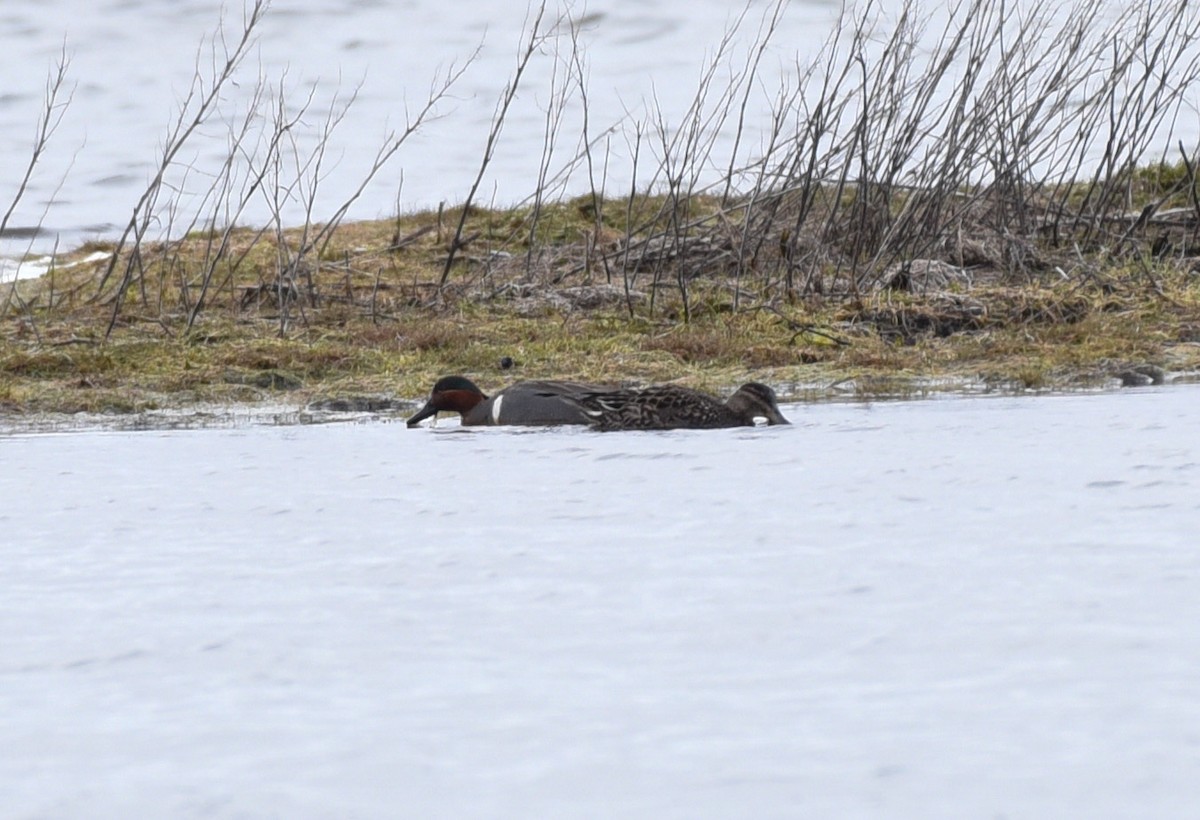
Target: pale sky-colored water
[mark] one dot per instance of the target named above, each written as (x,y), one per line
(966,607)
(131,61)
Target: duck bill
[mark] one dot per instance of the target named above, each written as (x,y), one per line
(422,414)
(773,416)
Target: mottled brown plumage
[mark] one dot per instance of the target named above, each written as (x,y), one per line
(668,407)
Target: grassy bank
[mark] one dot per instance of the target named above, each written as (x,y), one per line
(370,317)
(979,208)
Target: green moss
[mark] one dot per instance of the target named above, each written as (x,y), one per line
(1165,179)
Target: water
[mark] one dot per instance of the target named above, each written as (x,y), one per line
(965,607)
(132,61)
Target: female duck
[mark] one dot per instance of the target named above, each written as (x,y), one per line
(669,407)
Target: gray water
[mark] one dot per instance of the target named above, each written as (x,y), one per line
(133,61)
(131,64)
(952,608)
(963,607)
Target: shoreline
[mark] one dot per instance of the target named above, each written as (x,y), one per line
(373,313)
(270,411)
(916,227)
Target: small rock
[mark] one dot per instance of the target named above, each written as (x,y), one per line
(1132,378)
(1157,374)
(1141,375)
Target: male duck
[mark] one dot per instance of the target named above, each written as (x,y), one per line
(530,403)
(668,407)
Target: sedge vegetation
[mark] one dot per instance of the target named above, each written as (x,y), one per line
(985,211)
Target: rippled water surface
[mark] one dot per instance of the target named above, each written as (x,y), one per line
(969,607)
(132,62)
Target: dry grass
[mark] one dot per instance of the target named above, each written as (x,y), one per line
(374,323)
(915,214)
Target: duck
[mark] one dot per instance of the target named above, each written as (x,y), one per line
(601,407)
(534,403)
(671,407)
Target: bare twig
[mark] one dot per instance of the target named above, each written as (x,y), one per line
(536,37)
